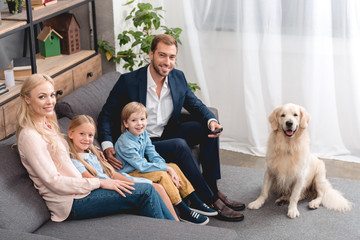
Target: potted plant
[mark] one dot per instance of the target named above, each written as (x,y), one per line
(15,6)
(146,20)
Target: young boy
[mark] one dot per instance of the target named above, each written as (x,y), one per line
(131,148)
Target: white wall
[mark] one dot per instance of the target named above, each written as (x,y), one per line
(120,13)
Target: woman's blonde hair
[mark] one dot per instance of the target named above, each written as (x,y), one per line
(129,109)
(25,114)
(76,122)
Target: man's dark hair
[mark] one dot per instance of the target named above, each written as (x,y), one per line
(164,38)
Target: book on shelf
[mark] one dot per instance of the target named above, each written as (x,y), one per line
(49,2)
(43,2)
(22,73)
(38,4)
(21,66)
(23,63)
(2,91)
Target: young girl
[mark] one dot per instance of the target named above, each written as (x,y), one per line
(90,163)
(131,148)
(44,153)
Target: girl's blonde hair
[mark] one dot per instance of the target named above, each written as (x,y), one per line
(25,114)
(76,122)
(129,109)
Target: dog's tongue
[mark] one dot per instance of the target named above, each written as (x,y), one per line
(289,132)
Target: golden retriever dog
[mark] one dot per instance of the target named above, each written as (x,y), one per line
(292,171)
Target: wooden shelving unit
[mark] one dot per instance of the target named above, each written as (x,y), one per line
(28,19)
(54,66)
(8,26)
(44,13)
(11,94)
(62,68)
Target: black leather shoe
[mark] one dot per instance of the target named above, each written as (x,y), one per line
(237,206)
(225,213)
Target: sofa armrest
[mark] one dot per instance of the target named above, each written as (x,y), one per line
(20,201)
(215,112)
(88,99)
(186,116)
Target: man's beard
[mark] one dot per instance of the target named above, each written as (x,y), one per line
(157,70)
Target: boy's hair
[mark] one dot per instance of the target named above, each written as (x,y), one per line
(129,109)
(164,38)
(76,122)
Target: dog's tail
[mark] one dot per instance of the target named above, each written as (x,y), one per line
(334,200)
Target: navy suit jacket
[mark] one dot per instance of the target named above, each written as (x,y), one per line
(132,86)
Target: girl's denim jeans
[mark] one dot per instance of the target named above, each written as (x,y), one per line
(144,200)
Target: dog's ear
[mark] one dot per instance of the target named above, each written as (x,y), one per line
(273,119)
(304,118)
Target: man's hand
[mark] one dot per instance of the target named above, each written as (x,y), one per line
(110,155)
(214,125)
(101,154)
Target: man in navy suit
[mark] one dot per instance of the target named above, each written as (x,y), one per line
(164,91)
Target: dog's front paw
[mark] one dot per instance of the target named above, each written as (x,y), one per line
(255,204)
(293,213)
(314,204)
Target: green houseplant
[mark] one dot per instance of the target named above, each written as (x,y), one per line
(146,21)
(15,6)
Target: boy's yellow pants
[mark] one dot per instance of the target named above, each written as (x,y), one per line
(163,178)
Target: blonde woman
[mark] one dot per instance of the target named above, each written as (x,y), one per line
(45,154)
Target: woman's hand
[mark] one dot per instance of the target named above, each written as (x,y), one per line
(174,177)
(117,185)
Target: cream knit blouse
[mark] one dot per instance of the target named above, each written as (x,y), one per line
(54,175)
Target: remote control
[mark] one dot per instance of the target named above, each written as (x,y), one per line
(217,130)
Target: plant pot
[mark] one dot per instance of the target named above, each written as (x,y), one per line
(12,7)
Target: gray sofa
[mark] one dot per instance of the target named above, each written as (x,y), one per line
(24,215)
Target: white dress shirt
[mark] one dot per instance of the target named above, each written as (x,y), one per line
(159,108)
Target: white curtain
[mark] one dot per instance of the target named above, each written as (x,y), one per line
(249,56)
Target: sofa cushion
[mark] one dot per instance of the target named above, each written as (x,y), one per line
(64,123)
(21,206)
(16,235)
(124,226)
(88,99)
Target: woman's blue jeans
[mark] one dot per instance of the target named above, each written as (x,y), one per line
(144,200)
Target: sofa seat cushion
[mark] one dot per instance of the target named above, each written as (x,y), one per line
(15,235)
(8,141)
(88,99)
(124,226)
(21,206)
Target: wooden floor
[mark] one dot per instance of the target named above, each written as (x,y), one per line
(334,168)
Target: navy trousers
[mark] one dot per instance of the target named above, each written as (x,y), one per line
(175,146)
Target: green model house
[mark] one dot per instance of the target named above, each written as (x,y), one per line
(49,41)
